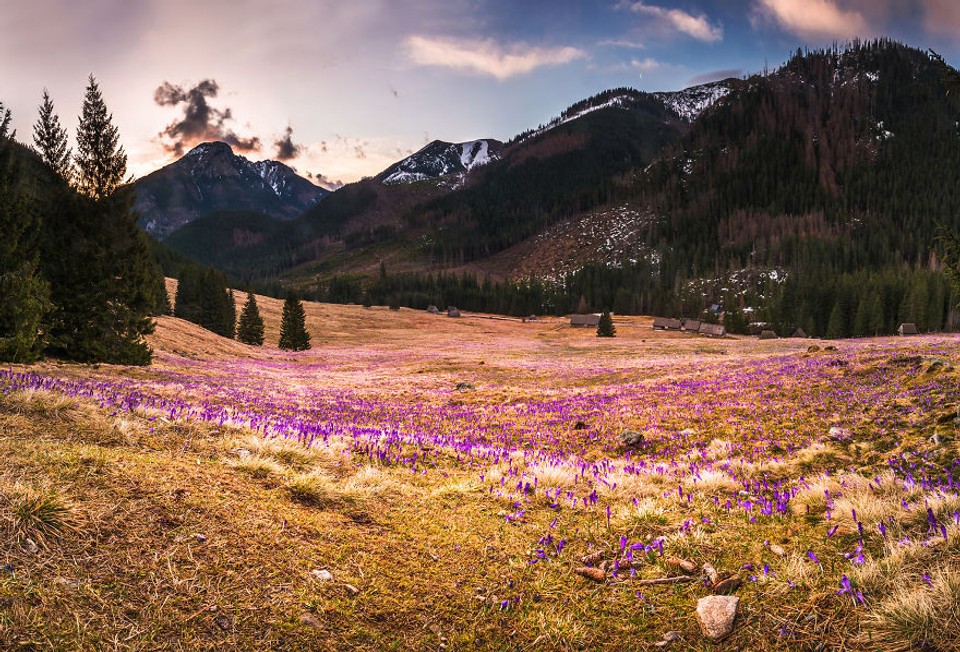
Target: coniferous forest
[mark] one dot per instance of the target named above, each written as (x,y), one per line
(817,197)
(79,282)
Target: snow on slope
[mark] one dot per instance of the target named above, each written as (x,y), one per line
(441,159)
(691,102)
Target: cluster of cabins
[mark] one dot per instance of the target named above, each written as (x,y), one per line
(689,326)
(683,325)
(452,311)
(661,324)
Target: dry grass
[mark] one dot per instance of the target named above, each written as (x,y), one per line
(918,615)
(37,514)
(167,534)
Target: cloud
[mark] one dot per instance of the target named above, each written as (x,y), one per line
(942,16)
(698,26)
(486,57)
(646,66)
(813,18)
(622,43)
(200,122)
(715,75)
(324,181)
(285,148)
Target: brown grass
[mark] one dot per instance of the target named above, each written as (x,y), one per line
(188,536)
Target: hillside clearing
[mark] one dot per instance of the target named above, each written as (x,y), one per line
(415,481)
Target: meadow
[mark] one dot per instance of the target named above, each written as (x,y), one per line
(421,482)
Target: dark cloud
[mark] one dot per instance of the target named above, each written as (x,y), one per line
(200,122)
(286,149)
(324,181)
(715,75)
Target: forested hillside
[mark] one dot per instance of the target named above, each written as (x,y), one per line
(807,197)
(77,279)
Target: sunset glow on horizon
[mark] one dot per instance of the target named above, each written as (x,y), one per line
(342,90)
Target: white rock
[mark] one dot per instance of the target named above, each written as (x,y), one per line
(322,575)
(715,615)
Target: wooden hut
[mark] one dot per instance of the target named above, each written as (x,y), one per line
(453,311)
(691,325)
(666,324)
(713,330)
(585,321)
(908,328)
(799,333)
(433,310)
(767,334)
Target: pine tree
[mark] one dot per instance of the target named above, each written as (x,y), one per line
(104,281)
(605,327)
(5,118)
(50,140)
(23,293)
(293,329)
(835,325)
(203,298)
(250,329)
(949,247)
(101,161)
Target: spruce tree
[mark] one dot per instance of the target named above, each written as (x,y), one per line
(250,328)
(949,249)
(835,327)
(203,298)
(293,329)
(101,161)
(605,327)
(23,293)
(104,282)
(50,140)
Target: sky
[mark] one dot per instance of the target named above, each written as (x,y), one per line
(340,90)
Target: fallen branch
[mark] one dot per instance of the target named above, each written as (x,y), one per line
(665,580)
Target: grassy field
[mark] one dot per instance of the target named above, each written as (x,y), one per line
(419,482)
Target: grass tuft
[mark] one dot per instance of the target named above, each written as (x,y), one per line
(39,514)
(919,616)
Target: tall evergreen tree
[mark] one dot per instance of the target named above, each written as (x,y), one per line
(50,140)
(23,294)
(104,282)
(250,328)
(293,329)
(835,325)
(101,161)
(949,242)
(203,298)
(605,327)
(5,118)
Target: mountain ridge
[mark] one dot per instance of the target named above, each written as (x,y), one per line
(211,177)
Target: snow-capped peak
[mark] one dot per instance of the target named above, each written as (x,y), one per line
(442,159)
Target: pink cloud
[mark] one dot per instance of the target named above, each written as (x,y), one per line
(814,18)
(486,57)
(696,26)
(942,16)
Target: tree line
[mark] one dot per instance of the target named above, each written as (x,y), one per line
(205,298)
(77,280)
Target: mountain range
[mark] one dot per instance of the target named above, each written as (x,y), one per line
(210,178)
(842,161)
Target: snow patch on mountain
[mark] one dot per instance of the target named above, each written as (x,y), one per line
(209,178)
(691,102)
(441,159)
(616,102)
